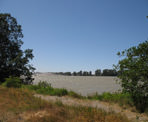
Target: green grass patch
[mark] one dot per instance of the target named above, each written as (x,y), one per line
(117,97)
(47,89)
(75,95)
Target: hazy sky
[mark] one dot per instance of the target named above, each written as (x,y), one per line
(73,35)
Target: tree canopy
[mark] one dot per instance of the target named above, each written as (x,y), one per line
(13,60)
(133,72)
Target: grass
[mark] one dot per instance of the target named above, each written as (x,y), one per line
(14,101)
(75,95)
(117,97)
(19,104)
(48,90)
(45,88)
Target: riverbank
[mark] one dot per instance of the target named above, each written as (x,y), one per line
(22,105)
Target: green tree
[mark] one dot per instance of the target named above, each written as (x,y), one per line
(90,73)
(98,72)
(80,73)
(67,73)
(13,82)
(74,74)
(85,73)
(13,60)
(109,72)
(133,72)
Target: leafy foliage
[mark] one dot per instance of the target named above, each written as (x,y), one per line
(117,97)
(98,72)
(133,72)
(13,61)
(14,82)
(44,84)
(106,72)
(45,88)
(109,72)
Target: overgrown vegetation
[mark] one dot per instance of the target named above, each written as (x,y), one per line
(21,105)
(13,60)
(14,82)
(117,97)
(46,88)
(123,99)
(133,72)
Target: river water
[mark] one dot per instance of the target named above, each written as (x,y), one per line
(84,85)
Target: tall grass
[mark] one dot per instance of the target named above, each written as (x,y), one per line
(21,105)
(46,88)
(116,97)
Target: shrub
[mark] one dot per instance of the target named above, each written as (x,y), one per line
(133,72)
(44,87)
(121,98)
(44,84)
(75,95)
(13,82)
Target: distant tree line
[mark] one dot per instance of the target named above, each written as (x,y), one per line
(98,72)
(106,72)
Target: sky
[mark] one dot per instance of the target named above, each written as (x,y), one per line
(74,35)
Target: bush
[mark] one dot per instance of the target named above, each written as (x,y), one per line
(44,87)
(133,74)
(44,84)
(59,92)
(13,82)
(121,98)
(75,95)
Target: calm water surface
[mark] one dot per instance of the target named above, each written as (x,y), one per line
(85,85)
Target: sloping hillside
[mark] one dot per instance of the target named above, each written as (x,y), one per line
(21,105)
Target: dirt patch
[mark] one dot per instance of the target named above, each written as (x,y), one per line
(27,116)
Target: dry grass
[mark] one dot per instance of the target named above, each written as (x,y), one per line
(21,105)
(75,114)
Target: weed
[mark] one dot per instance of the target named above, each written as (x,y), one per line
(12,82)
(46,88)
(75,95)
(22,105)
(117,97)
(59,103)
